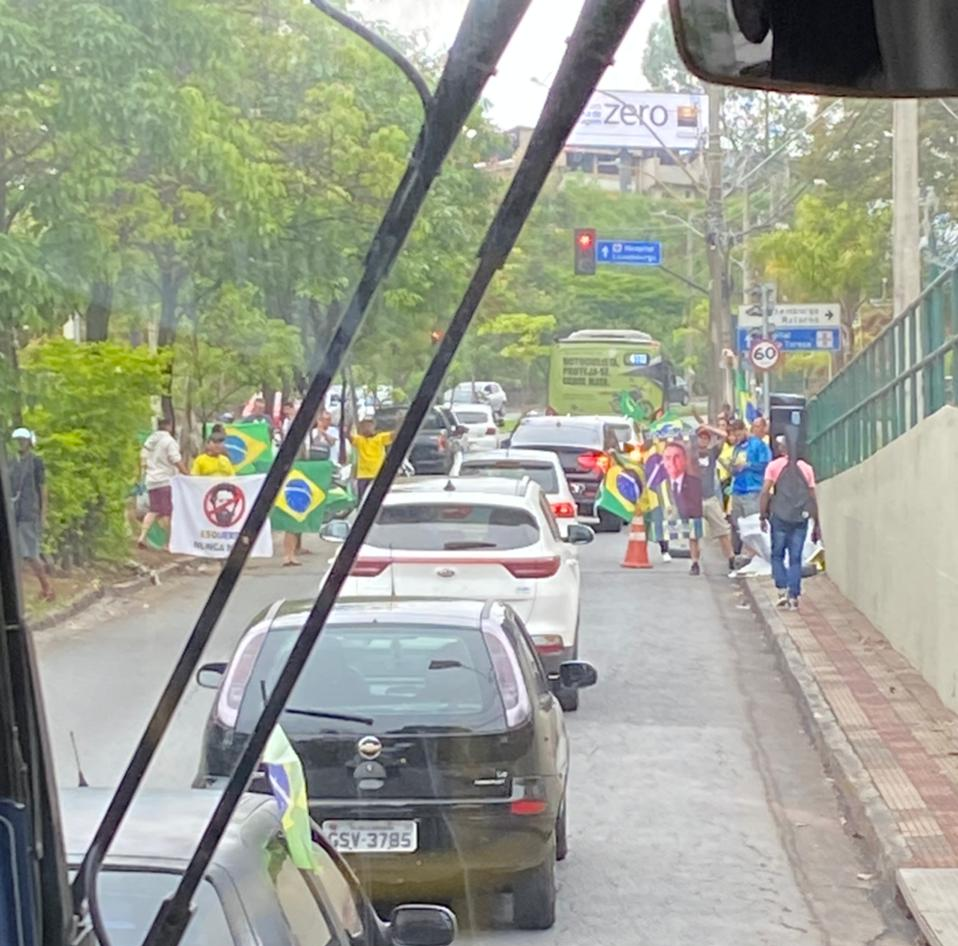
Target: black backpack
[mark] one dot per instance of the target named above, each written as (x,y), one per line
(791,500)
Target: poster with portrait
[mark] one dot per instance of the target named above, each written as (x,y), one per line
(682,476)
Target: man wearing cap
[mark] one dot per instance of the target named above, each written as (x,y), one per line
(28,481)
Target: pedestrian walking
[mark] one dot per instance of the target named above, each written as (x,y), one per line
(788,503)
(160,461)
(711,442)
(214,460)
(370,453)
(750,457)
(28,480)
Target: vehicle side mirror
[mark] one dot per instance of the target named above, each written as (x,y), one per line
(335,531)
(577,675)
(210,676)
(579,534)
(421,925)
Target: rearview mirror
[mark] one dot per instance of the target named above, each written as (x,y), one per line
(210,676)
(421,925)
(577,674)
(336,530)
(579,534)
(869,47)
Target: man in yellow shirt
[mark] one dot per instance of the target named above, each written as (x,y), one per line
(370,453)
(213,461)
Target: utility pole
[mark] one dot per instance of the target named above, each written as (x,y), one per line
(716,239)
(906,206)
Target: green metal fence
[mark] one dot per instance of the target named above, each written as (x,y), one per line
(903,376)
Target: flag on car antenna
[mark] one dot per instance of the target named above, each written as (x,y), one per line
(288,785)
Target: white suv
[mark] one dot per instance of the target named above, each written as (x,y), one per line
(477,537)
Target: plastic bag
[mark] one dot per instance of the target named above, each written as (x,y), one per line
(750,530)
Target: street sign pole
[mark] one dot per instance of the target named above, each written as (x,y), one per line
(768,305)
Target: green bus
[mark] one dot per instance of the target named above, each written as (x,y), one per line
(603,371)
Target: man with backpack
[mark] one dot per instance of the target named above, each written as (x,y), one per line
(788,500)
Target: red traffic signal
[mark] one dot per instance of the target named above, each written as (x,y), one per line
(585,251)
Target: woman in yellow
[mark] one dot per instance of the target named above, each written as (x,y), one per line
(213,461)
(370,453)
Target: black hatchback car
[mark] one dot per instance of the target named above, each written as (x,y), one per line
(435,752)
(580,443)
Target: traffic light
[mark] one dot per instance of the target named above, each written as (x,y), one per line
(585,252)
(435,336)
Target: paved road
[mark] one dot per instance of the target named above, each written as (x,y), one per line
(699,812)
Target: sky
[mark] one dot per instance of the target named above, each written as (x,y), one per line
(532,57)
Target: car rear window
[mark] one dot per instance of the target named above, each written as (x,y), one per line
(578,436)
(471,417)
(129,899)
(402,676)
(542,473)
(449,527)
(433,421)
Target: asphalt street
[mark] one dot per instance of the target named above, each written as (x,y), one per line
(699,810)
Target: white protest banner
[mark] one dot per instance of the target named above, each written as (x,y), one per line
(208,513)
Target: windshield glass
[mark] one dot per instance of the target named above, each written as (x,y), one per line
(543,474)
(444,526)
(399,676)
(465,416)
(129,899)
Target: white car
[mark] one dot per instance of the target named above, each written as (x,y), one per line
(541,466)
(481,430)
(468,392)
(476,537)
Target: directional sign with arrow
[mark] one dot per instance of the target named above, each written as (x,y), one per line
(801,315)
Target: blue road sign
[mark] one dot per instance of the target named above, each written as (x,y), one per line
(629,252)
(796,339)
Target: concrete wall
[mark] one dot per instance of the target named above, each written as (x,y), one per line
(891,536)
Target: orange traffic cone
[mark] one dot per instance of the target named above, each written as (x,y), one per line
(637,551)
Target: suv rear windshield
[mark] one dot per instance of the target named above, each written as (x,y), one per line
(579,436)
(448,527)
(542,473)
(471,417)
(404,677)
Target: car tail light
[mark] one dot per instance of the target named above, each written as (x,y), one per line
(369,567)
(598,462)
(238,677)
(441,442)
(528,806)
(533,567)
(529,796)
(548,643)
(491,430)
(563,510)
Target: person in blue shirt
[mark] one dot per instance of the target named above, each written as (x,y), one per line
(750,455)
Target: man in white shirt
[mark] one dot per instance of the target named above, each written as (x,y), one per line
(160,461)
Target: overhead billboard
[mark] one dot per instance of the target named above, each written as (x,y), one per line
(675,120)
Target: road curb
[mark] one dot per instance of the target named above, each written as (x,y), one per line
(868,815)
(118,588)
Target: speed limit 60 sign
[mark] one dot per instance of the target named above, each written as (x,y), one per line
(764,354)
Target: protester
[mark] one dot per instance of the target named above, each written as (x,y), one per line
(258,413)
(213,461)
(370,453)
(760,429)
(160,461)
(750,457)
(654,516)
(711,443)
(324,437)
(28,480)
(685,489)
(788,500)
(289,412)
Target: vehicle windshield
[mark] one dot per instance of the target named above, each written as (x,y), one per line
(561,435)
(129,899)
(466,416)
(403,678)
(449,527)
(541,473)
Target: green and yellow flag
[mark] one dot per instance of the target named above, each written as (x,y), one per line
(288,784)
(250,446)
(308,498)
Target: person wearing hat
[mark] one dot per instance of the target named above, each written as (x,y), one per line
(28,482)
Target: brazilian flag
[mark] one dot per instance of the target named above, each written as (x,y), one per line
(309,498)
(288,785)
(250,446)
(621,490)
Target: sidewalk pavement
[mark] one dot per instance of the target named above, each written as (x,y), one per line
(886,737)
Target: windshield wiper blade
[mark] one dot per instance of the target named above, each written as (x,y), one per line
(427,728)
(325,714)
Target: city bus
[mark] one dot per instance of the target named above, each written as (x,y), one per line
(602,371)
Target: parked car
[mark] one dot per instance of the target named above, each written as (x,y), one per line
(478,537)
(539,465)
(580,444)
(252,893)
(437,444)
(435,752)
(482,432)
(475,392)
